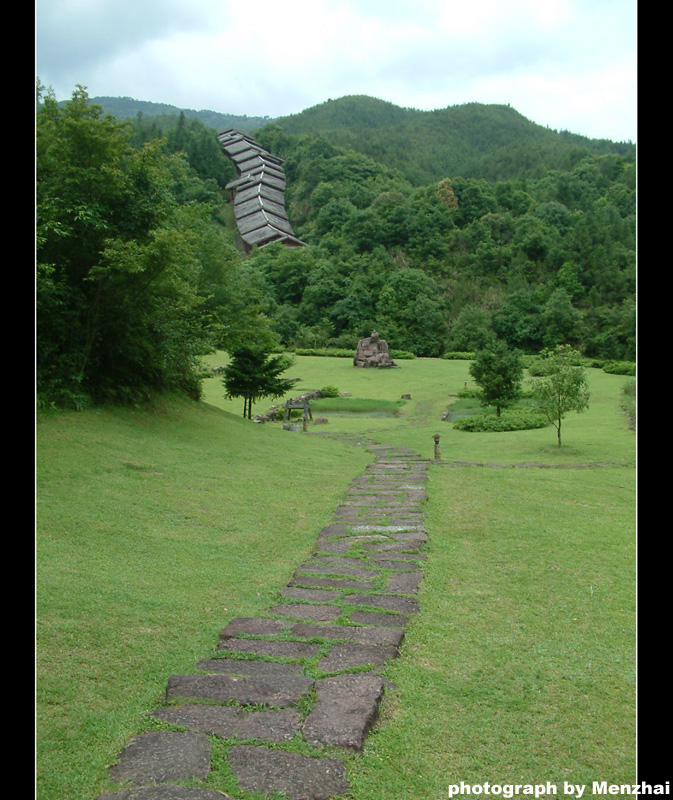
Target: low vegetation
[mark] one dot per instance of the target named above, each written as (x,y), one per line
(520,664)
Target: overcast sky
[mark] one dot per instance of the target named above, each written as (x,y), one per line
(568,64)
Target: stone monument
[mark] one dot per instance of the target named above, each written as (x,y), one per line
(373,352)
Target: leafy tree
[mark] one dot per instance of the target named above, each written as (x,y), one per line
(560,320)
(564,388)
(471,329)
(253,374)
(498,372)
(133,284)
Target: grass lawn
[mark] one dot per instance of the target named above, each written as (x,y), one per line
(157,527)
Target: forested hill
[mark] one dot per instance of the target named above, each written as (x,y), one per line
(442,230)
(125,108)
(474,140)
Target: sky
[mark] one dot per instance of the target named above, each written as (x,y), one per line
(566,64)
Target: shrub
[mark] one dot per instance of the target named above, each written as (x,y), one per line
(329,391)
(620,367)
(629,403)
(458,355)
(509,420)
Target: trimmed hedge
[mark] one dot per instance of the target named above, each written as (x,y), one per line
(340,352)
(620,368)
(509,420)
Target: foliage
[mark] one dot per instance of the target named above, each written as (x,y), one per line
(498,371)
(513,419)
(329,391)
(563,389)
(253,374)
(629,400)
(620,367)
(133,283)
(454,355)
(531,238)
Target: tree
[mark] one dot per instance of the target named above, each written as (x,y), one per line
(498,372)
(564,388)
(253,373)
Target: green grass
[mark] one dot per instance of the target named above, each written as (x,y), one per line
(157,527)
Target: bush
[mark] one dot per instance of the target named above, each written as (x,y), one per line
(629,403)
(620,367)
(340,352)
(329,391)
(509,420)
(458,355)
(475,394)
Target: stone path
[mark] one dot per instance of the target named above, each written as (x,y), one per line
(307,671)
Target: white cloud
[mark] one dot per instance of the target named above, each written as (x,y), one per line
(566,63)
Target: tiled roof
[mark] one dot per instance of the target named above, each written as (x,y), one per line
(259,199)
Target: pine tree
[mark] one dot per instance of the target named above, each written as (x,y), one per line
(253,374)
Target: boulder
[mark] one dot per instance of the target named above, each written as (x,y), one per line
(373,352)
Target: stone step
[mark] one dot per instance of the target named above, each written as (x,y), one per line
(381,518)
(229,722)
(165,792)
(346,708)
(259,769)
(244,690)
(160,757)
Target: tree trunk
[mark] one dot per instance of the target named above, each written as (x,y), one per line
(558,431)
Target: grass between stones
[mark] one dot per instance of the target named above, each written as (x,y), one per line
(155,528)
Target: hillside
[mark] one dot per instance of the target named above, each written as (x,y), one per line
(129,108)
(474,140)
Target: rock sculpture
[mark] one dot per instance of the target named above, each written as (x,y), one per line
(373,352)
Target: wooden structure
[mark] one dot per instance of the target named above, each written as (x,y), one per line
(258,194)
(299,402)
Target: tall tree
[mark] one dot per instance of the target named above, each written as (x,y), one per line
(498,372)
(120,312)
(253,374)
(564,388)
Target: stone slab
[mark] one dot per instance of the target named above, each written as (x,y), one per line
(337,583)
(160,757)
(259,769)
(259,669)
(245,690)
(314,595)
(405,605)
(352,572)
(350,633)
(379,619)
(411,536)
(227,722)
(255,626)
(337,546)
(383,547)
(403,583)
(307,612)
(384,528)
(344,711)
(298,650)
(388,556)
(347,656)
(330,531)
(165,793)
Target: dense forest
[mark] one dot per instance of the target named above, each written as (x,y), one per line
(439,229)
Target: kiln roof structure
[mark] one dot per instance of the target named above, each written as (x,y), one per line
(258,192)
